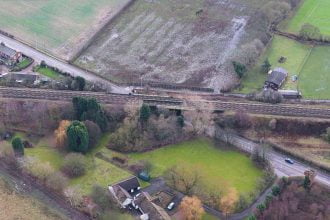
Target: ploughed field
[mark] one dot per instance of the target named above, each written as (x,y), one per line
(58,26)
(174,41)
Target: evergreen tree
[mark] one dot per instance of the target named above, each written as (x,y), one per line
(18,146)
(239,68)
(145,113)
(265,67)
(77,137)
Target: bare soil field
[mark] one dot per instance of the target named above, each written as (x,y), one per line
(57,26)
(175,41)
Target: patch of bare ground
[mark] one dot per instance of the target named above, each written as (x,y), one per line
(174,41)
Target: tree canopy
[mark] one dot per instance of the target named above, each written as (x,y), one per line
(77,137)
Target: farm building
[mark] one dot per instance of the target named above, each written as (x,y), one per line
(9,56)
(276,78)
(128,195)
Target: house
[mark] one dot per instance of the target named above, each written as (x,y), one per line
(9,56)
(276,78)
(128,195)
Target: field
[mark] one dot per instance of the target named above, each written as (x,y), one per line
(169,42)
(223,167)
(295,54)
(315,12)
(15,206)
(98,172)
(61,26)
(315,77)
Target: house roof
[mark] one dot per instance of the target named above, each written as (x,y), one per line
(277,76)
(6,50)
(131,183)
(23,77)
(155,212)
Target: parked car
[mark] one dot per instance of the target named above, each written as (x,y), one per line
(170,206)
(288,160)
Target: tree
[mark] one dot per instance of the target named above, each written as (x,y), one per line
(265,67)
(101,196)
(61,137)
(191,208)
(94,133)
(310,32)
(180,121)
(74,165)
(18,146)
(182,178)
(145,113)
(227,202)
(239,68)
(90,109)
(77,137)
(81,83)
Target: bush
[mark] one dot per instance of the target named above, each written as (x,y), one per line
(18,146)
(37,169)
(57,182)
(74,165)
(265,67)
(101,196)
(239,68)
(145,113)
(267,96)
(310,32)
(276,190)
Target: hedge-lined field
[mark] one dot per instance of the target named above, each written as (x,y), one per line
(57,25)
(315,12)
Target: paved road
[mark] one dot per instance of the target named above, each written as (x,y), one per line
(62,65)
(277,159)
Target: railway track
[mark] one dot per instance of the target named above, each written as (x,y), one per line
(297,110)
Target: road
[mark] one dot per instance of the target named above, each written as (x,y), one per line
(60,64)
(277,159)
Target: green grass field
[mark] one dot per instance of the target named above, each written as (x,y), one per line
(315,76)
(48,72)
(98,172)
(296,55)
(223,167)
(58,25)
(315,12)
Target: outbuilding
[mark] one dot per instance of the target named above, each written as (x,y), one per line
(276,78)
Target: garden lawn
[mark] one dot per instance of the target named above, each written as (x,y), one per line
(48,72)
(315,12)
(216,166)
(315,76)
(296,54)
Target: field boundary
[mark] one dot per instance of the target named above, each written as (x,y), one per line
(77,53)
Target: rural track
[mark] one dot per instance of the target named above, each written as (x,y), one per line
(296,110)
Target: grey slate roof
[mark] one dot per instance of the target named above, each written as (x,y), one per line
(277,76)
(131,183)
(6,50)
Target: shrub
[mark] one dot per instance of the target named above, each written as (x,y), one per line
(37,169)
(309,32)
(276,190)
(265,67)
(101,196)
(61,137)
(242,120)
(77,137)
(57,182)
(18,146)
(74,165)
(261,207)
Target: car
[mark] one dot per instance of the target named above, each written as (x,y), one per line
(288,160)
(170,206)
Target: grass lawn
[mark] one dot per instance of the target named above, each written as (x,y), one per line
(296,55)
(315,12)
(98,172)
(215,165)
(48,72)
(315,76)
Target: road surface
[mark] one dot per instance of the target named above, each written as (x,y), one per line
(277,159)
(62,65)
